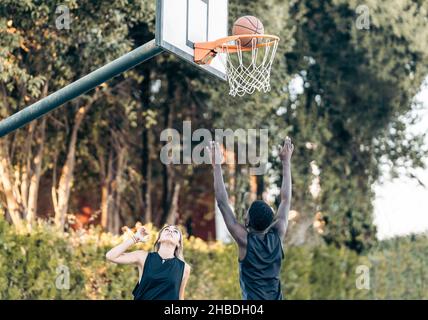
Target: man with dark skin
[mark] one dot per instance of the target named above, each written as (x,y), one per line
(260,239)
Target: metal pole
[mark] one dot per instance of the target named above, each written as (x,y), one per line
(75,89)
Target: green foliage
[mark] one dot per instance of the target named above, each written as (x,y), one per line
(358,86)
(29,262)
(406,258)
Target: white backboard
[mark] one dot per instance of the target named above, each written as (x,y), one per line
(181,23)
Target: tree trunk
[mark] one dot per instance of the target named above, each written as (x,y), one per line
(36,173)
(104,204)
(147,175)
(106,177)
(33,168)
(14,207)
(65,182)
(121,162)
(173,210)
(167,171)
(26,168)
(149,183)
(112,183)
(146,137)
(20,173)
(165,197)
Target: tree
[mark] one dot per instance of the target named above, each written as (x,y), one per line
(39,58)
(358,84)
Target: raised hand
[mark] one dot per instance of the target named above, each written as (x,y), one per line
(286,150)
(142,235)
(215,153)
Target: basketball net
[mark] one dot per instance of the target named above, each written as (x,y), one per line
(246,75)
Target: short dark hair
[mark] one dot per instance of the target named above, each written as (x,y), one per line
(260,215)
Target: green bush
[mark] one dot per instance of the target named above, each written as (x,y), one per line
(400,268)
(29,263)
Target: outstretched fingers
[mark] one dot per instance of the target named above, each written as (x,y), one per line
(286,149)
(215,153)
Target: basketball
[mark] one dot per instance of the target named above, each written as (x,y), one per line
(247,25)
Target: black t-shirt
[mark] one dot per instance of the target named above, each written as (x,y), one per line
(260,268)
(161,279)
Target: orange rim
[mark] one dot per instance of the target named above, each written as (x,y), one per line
(231,48)
(206,51)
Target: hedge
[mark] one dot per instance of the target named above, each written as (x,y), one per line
(33,263)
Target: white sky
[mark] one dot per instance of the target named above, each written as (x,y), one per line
(401,205)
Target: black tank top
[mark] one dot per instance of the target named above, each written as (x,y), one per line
(259,270)
(161,279)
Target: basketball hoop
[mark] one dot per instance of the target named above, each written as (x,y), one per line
(247,67)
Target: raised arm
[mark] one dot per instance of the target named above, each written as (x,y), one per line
(237,230)
(119,255)
(284,207)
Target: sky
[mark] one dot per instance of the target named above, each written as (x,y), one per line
(401,205)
